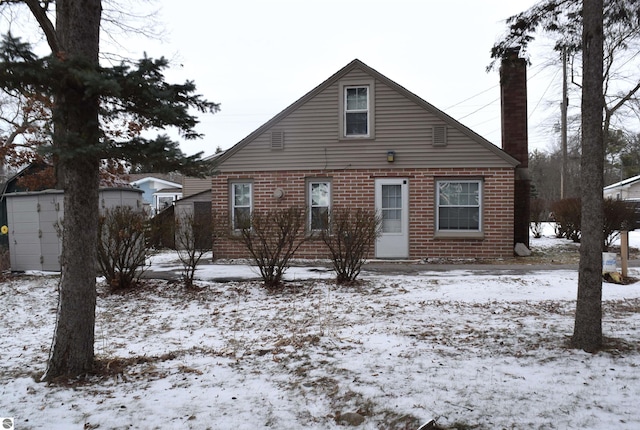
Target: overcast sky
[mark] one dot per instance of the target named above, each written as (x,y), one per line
(256,57)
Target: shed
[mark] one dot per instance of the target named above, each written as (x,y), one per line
(34,219)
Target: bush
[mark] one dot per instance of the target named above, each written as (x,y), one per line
(538,216)
(121,246)
(567,214)
(161,230)
(272,237)
(195,236)
(350,237)
(5,261)
(618,215)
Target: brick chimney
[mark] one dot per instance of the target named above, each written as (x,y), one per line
(515,142)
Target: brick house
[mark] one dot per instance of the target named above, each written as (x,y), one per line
(360,139)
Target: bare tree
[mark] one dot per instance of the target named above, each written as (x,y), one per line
(562,20)
(580,27)
(587,332)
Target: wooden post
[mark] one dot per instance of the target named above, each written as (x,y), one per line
(624,252)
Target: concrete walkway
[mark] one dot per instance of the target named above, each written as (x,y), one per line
(171,271)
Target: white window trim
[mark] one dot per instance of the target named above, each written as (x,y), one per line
(342,123)
(233,200)
(356,111)
(475,233)
(310,183)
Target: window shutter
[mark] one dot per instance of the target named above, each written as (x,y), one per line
(277,139)
(440,135)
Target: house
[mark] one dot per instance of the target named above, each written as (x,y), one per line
(628,189)
(192,185)
(159,191)
(360,139)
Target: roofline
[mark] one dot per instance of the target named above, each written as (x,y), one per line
(623,183)
(379,76)
(162,181)
(199,193)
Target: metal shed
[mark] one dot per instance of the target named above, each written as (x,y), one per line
(34,219)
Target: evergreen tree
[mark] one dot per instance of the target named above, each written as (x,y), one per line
(88,99)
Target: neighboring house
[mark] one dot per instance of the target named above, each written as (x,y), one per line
(198,205)
(158,193)
(193,211)
(191,185)
(629,189)
(361,140)
(165,198)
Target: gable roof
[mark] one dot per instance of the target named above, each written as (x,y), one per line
(627,182)
(167,184)
(173,177)
(375,74)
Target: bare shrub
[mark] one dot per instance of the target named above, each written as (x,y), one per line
(567,213)
(351,235)
(618,215)
(5,262)
(538,213)
(272,237)
(121,246)
(195,236)
(162,229)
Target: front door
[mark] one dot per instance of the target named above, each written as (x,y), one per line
(392,203)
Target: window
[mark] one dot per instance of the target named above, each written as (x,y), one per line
(319,204)
(241,205)
(391,208)
(357,107)
(459,206)
(356,111)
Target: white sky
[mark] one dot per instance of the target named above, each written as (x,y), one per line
(257,57)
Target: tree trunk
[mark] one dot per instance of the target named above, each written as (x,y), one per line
(587,334)
(76,130)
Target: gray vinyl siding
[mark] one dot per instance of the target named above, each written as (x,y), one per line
(191,186)
(34,218)
(403,123)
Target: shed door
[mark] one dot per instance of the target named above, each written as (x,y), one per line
(392,203)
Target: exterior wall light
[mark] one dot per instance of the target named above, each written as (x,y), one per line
(391,156)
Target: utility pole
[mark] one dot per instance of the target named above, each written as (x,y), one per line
(563,127)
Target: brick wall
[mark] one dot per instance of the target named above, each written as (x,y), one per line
(356,188)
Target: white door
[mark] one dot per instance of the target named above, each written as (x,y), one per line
(392,203)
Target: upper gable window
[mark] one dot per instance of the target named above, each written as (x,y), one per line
(356,111)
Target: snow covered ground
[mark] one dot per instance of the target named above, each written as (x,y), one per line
(469,350)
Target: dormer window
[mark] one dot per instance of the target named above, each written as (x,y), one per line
(356,111)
